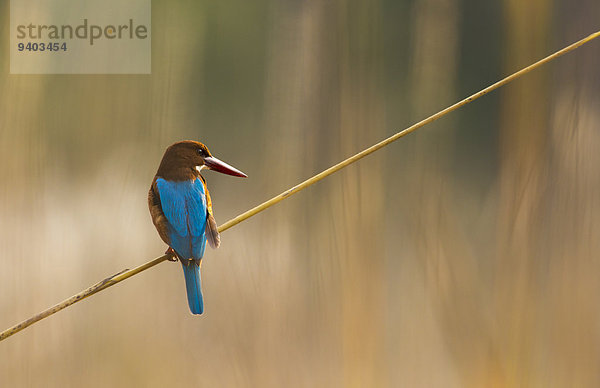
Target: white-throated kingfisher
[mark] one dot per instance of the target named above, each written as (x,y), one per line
(181,209)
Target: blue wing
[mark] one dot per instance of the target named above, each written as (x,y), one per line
(184,206)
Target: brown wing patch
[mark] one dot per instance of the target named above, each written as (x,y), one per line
(158,217)
(212,230)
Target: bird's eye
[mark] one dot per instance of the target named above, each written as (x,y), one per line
(200,151)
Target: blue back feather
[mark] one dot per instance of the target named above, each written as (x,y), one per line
(184,206)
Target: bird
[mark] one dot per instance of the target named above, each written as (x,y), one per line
(181,210)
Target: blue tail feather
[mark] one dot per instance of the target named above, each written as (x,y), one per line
(193,285)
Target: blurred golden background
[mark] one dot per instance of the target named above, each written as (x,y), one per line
(465,255)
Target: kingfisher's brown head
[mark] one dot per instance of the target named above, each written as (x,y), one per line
(183,160)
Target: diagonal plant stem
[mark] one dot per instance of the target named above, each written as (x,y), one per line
(125,274)
(100,286)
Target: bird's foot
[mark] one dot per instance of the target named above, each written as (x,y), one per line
(172,254)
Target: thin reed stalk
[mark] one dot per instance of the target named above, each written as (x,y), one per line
(125,274)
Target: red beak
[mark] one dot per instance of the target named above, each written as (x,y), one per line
(215,164)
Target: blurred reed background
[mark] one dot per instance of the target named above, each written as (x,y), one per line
(465,255)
